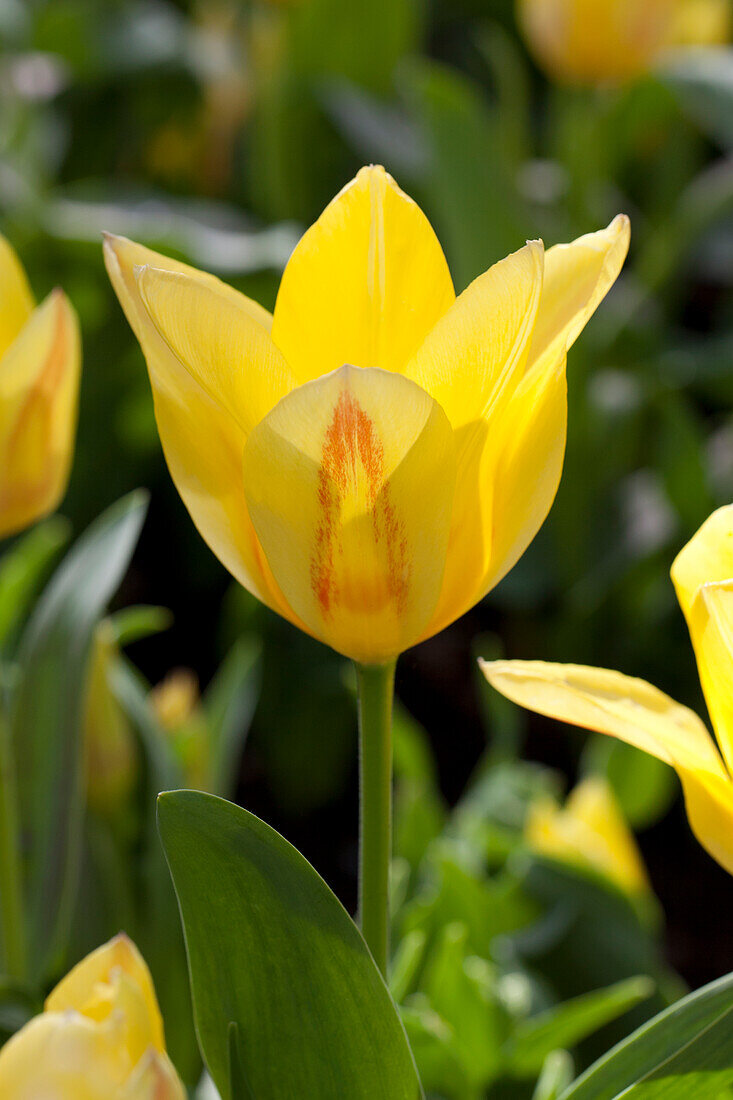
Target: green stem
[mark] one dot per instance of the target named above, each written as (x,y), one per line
(11,891)
(376,689)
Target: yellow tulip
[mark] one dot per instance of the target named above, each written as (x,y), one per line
(589,831)
(99,1038)
(109,741)
(611,41)
(176,701)
(371,460)
(39,382)
(638,713)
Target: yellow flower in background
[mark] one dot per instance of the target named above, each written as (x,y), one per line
(109,741)
(599,41)
(40,360)
(176,701)
(588,831)
(99,1038)
(374,457)
(638,713)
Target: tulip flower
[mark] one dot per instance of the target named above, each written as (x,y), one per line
(371,459)
(109,741)
(39,383)
(99,1038)
(638,713)
(176,701)
(588,831)
(600,41)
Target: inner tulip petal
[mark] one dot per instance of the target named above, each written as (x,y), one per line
(16,300)
(349,482)
(365,284)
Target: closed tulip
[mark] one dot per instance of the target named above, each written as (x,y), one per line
(39,382)
(611,41)
(588,831)
(374,457)
(99,1038)
(638,713)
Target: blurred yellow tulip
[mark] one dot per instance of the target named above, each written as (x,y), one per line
(371,460)
(39,382)
(176,701)
(99,1038)
(109,741)
(599,41)
(588,831)
(638,713)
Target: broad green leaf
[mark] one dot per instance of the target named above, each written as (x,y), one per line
(22,569)
(46,722)
(567,1024)
(684,1052)
(272,950)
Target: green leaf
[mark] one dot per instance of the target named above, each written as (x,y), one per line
(230,704)
(46,721)
(131,624)
(272,950)
(556,1075)
(567,1024)
(703,82)
(23,568)
(685,1051)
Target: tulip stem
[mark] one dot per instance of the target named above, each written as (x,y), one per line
(11,892)
(376,689)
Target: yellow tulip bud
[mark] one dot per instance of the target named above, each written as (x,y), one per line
(373,458)
(109,739)
(39,382)
(176,702)
(589,831)
(99,1038)
(597,41)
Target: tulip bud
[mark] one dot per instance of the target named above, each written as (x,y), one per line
(111,761)
(39,382)
(100,1036)
(589,831)
(177,703)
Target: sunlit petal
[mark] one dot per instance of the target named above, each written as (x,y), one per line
(16,300)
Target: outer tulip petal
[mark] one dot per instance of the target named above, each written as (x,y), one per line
(154,1079)
(502,502)
(699,572)
(63,1056)
(39,387)
(230,355)
(91,986)
(365,284)
(202,441)
(475,354)
(16,300)
(349,482)
(577,278)
(709,805)
(609,702)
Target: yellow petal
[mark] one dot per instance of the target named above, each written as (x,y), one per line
(154,1079)
(699,573)
(16,300)
(589,830)
(501,504)
(609,702)
(39,386)
(202,441)
(62,1056)
(93,987)
(229,354)
(577,278)
(349,482)
(709,805)
(365,284)
(473,357)
(702,23)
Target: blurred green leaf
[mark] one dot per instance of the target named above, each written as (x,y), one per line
(703,83)
(567,1024)
(131,624)
(271,949)
(556,1075)
(46,722)
(686,1051)
(644,786)
(230,704)
(23,568)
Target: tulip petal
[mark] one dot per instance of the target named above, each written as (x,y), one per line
(202,441)
(230,355)
(64,1056)
(349,482)
(154,1079)
(473,357)
(16,300)
(577,278)
(635,712)
(39,386)
(609,702)
(83,988)
(699,573)
(365,284)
